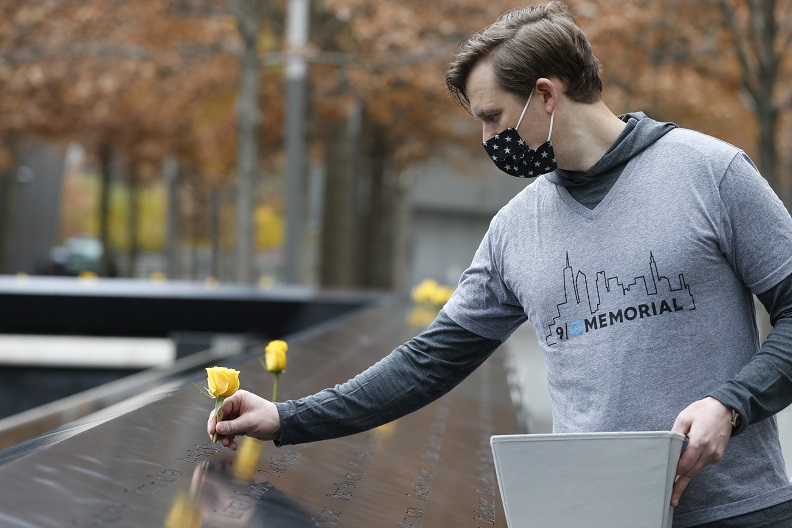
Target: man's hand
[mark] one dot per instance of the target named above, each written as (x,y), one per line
(245,413)
(707,424)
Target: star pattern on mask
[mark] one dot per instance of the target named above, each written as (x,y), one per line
(512,155)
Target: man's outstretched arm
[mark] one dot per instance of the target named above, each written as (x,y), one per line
(412,376)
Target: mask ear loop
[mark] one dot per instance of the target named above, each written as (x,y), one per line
(523,112)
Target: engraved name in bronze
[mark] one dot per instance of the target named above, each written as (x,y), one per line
(346,488)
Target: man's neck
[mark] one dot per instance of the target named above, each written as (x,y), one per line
(590,130)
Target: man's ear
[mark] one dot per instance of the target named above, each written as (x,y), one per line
(549,90)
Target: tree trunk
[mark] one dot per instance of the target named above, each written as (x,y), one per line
(198,208)
(170,170)
(248,14)
(134,218)
(400,235)
(338,224)
(105,178)
(382,253)
(755,46)
(374,253)
(214,232)
(765,85)
(767,123)
(7,191)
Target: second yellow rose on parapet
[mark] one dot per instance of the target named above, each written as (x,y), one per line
(275,361)
(275,356)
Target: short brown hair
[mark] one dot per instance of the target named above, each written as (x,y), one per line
(526,44)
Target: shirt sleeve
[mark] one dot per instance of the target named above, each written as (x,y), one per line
(483,303)
(758,244)
(756,227)
(412,376)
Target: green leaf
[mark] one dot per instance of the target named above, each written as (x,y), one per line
(204,390)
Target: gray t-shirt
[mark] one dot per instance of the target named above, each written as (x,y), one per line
(643,304)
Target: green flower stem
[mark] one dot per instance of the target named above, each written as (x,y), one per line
(218,414)
(275,387)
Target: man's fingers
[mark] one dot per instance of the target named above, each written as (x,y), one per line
(688,459)
(693,460)
(706,423)
(685,473)
(680,483)
(686,470)
(682,424)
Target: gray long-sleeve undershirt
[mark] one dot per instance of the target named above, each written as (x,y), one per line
(412,376)
(764,386)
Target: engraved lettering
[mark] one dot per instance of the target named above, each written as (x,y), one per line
(109,515)
(430,457)
(413,518)
(200,453)
(328,518)
(256,491)
(363,459)
(235,509)
(161,481)
(486,511)
(347,487)
(422,488)
(278,466)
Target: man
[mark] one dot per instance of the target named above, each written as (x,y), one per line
(633,255)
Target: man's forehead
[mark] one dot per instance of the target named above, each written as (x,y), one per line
(481,88)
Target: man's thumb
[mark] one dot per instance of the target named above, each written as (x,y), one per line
(225,428)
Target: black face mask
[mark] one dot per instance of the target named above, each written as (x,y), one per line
(513,156)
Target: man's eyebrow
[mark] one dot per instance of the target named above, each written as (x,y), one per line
(484,112)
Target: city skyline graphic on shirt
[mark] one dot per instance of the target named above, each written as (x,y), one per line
(609,301)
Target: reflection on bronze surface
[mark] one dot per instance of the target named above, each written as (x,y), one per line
(155,466)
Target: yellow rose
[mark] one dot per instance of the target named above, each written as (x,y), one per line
(441,295)
(424,291)
(275,356)
(223,382)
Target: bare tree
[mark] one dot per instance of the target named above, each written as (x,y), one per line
(761,36)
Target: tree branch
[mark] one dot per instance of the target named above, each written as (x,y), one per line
(730,22)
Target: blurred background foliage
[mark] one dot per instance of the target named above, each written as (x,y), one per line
(146,101)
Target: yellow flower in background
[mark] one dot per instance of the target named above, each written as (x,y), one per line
(428,292)
(266,282)
(422,294)
(223,382)
(275,362)
(275,356)
(429,297)
(441,295)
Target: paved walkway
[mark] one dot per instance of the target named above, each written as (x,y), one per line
(527,362)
